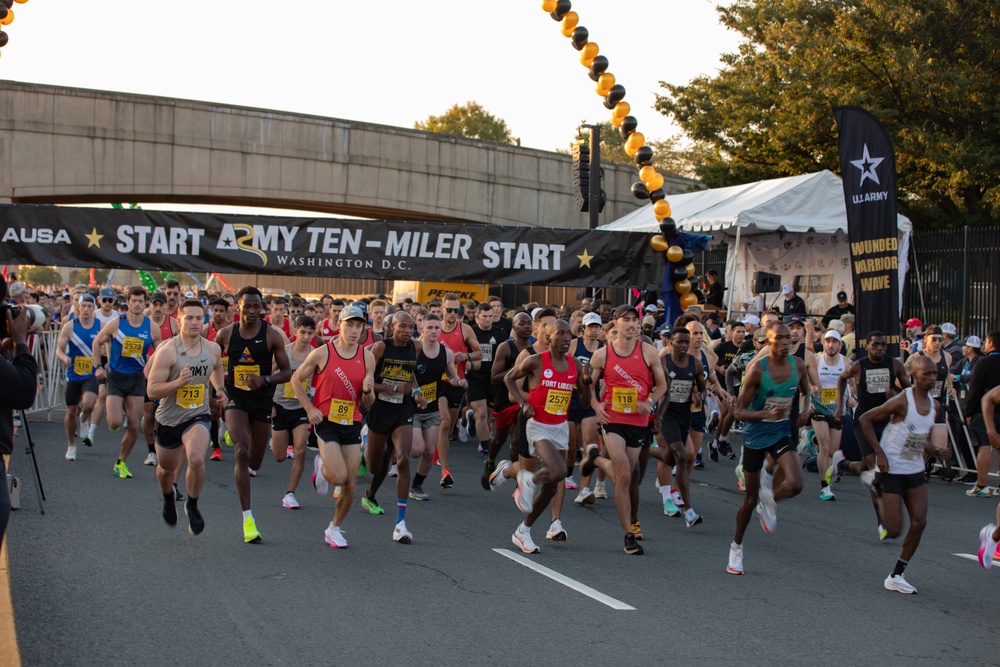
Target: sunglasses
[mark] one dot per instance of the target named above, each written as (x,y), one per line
(107,300)
(937,339)
(452,310)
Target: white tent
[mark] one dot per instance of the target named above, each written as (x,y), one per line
(795,226)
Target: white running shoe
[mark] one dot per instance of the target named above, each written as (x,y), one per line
(319,482)
(987,545)
(525,494)
(393,471)
(585,497)
(401,534)
(496,477)
(735,559)
(150,459)
(676,497)
(599,491)
(556,532)
(335,538)
(899,584)
(71,453)
(522,539)
(251,472)
(289,502)
(867,478)
(767,508)
(833,472)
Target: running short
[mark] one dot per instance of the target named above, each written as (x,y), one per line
(557,434)
(257,406)
(455,395)
(76,390)
(698,422)
(578,413)
(426,419)
(386,417)
(675,428)
(899,484)
(753,459)
(522,436)
(834,424)
(126,384)
(980,437)
(169,437)
(331,433)
(506,417)
(866,449)
(482,390)
(288,420)
(634,436)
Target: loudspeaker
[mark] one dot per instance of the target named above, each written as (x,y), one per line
(765,282)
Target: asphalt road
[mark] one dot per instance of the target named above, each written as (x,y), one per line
(101,580)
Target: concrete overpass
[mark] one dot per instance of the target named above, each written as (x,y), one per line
(71,145)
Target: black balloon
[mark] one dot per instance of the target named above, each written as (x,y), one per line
(7,3)
(657,195)
(628,126)
(3,10)
(598,67)
(3,39)
(639,190)
(580,37)
(688,258)
(678,272)
(608,104)
(562,9)
(616,94)
(644,156)
(668,227)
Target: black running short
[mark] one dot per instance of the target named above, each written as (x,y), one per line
(523,448)
(899,484)
(126,384)
(753,459)
(634,436)
(257,406)
(866,449)
(76,390)
(169,437)
(288,420)
(578,413)
(384,417)
(455,395)
(482,390)
(329,433)
(675,428)
(834,424)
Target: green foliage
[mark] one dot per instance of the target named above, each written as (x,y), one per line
(469,120)
(925,68)
(40,275)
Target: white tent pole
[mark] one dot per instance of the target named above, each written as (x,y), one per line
(730,279)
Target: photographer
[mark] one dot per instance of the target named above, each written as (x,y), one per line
(18,383)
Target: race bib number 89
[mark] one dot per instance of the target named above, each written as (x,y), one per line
(341,412)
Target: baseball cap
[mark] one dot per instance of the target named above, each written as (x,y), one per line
(752,319)
(786,289)
(621,311)
(88,297)
(760,334)
(832,333)
(651,308)
(107,293)
(841,296)
(650,320)
(794,319)
(974,341)
(352,313)
(591,318)
(914,322)
(189,294)
(949,329)
(535,312)
(360,305)
(158,296)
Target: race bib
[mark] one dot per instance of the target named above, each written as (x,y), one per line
(83,365)
(430,391)
(625,399)
(289,390)
(877,380)
(772,402)
(557,401)
(243,373)
(487,352)
(341,412)
(828,396)
(937,390)
(680,391)
(190,396)
(913,448)
(132,347)
(390,396)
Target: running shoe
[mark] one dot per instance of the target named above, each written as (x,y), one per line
(362,468)
(714,423)
(834,472)
(587,464)
(401,534)
(87,441)
(882,533)
(393,471)
(336,492)
(446,480)
(522,539)
(767,508)
(121,470)
(979,492)
(556,532)
(735,559)
(463,433)
(728,450)
(334,537)
(676,497)
(319,481)
(525,494)
(169,511)
(896,582)
(496,478)
(150,459)
(740,484)
(987,545)
(216,454)
(251,472)
(71,453)
(196,524)
(867,478)
(599,491)
(632,548)
(585,497)
(488,467)
(371,505)
(698,463)
(289,502)
(571,484)
(417,493)
(178,496)
(290,452)
(827,494)
(637,530)
(713,453)
(227,439)
(669,508)
(250,532)
(692,518)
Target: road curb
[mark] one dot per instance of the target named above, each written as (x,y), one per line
(8,635)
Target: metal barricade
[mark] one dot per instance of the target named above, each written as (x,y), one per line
(51,373)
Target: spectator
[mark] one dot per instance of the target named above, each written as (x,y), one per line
(712,327)
(848,338)
(714,296)
(794,305)
(951,345)
(985,376)
(837,312)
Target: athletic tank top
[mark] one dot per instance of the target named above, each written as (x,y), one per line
(584,355)
(80,350)
(455,341)
(326,331)
(338,387)
(682,381)
(247,357)
(627,382)
(165,331)
(829,376)
(904,442)
(801,352)
(487,342)
(428,373)
(192,399)
(503,401)
(130,346)
(875,385)
(937,391)
(285,325)
(104,319)
(284,394)
(396,367)
(771,394)
(705,371)
(550,399)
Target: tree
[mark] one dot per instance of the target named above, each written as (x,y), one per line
(41,275)
(925,68)
(469,120)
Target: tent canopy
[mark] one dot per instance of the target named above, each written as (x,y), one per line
(810,202)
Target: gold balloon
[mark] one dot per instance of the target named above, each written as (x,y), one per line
(688,300)
(549,5)
(621,110)
(660,208)
(675,253)
(605,82)
(617,120)
(690,269)
(682,286)
(569,24)
(589,52)
(630,150)
(636,140)
(655,183)
(646,173)
(7,20)
(658,243)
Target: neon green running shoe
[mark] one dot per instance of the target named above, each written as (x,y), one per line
(250,532)
(739,478)
(362,468)
(371,505)
(669,508)
(229,441)
(121,470)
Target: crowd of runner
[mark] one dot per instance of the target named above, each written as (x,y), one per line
(378,388)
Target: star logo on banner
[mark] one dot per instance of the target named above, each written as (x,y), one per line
(94,238)
(867,166)
(585,259)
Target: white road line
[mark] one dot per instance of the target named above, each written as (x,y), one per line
(566,581)
(971,557)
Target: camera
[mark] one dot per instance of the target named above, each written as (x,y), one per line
(35,315)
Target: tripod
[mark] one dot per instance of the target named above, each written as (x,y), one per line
(30,449)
